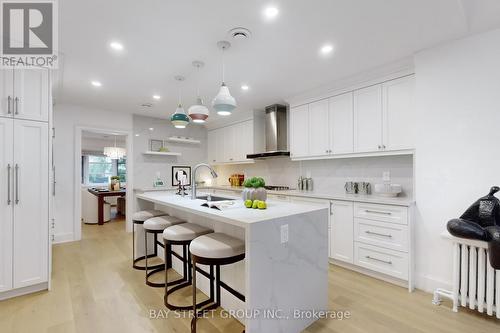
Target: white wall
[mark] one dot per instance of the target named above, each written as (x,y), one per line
(458,89)
(329,176)
(146,167)
(66,119)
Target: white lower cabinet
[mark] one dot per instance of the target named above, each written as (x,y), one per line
(6,211)
(24,207)
(373,236)
(341,231)
(382,260)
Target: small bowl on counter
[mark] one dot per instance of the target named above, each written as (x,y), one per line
(388,190)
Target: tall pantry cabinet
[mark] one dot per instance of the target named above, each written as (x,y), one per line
(25,143)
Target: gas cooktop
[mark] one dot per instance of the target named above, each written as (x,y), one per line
(277,188)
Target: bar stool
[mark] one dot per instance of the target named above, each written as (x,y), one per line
(215,249)
(155,226)
(138,219)
(183,234)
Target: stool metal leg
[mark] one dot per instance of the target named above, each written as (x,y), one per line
(195,314)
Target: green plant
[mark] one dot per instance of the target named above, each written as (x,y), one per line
(254,182)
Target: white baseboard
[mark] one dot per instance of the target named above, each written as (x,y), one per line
(23,291)
(63,238)
(429,283)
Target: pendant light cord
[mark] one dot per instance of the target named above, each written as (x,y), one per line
(198,82)
(223,66)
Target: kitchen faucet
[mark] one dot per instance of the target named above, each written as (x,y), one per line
(193,178)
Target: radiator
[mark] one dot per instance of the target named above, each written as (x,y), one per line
(476,284)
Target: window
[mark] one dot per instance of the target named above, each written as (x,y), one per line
(97,169)
(100,168)
(122,170)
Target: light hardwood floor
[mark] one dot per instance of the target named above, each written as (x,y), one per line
(96,290)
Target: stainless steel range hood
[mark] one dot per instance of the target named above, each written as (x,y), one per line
(276,133)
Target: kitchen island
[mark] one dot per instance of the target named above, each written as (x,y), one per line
(284,276)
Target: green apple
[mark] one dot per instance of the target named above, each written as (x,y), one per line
(262,205)
(248,203)
(255,204)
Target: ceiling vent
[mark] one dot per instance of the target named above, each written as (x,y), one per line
(240,33)
(146,105)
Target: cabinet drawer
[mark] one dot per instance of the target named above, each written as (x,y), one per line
(384,213)
(388,235)
(381,260)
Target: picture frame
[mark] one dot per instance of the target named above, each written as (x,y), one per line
(185,169)
(155,145)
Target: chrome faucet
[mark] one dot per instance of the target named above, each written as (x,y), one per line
(193,177)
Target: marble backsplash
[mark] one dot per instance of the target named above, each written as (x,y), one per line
(329,176)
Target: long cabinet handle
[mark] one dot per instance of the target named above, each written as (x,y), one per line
(16,100)
(9,201)
(17,184)
(380,260)
(378,234)
(377,212)
(9,100)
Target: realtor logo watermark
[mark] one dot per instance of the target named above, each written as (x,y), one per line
(29,33)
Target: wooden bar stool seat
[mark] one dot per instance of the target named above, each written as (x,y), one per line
(138,219)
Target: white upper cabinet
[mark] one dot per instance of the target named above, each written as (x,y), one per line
(399,113)
(229,144)
(6,92)
(219,141)
(368,119)
(232,143)
(243,138)
(31,90)
(342,231)
(319,142)
(6,202)
(341,124)
(31,202)
(212,147)
(299,131)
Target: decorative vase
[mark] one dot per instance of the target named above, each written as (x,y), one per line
(251,193)
(114,185)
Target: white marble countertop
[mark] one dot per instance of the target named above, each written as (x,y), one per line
(237,214)
(398,201)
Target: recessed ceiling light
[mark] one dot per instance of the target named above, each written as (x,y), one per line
(271,12)
(244,87)
(96,83)
(116,46)
(156,97)
(137,135)
(326,49)
(151,129)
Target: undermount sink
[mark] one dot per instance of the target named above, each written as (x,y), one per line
(213,198)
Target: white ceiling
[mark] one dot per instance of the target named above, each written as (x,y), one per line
(163,37)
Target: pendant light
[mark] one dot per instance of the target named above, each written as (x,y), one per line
(179,118)
(224,103)
(115,153)
(198,112)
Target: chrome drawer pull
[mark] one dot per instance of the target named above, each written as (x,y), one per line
(377,212)
(9,168)
(16,100)
(9,99)
(17,184)
(384,261)
(378,234)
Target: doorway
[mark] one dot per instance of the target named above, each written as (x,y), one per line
(103,179)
